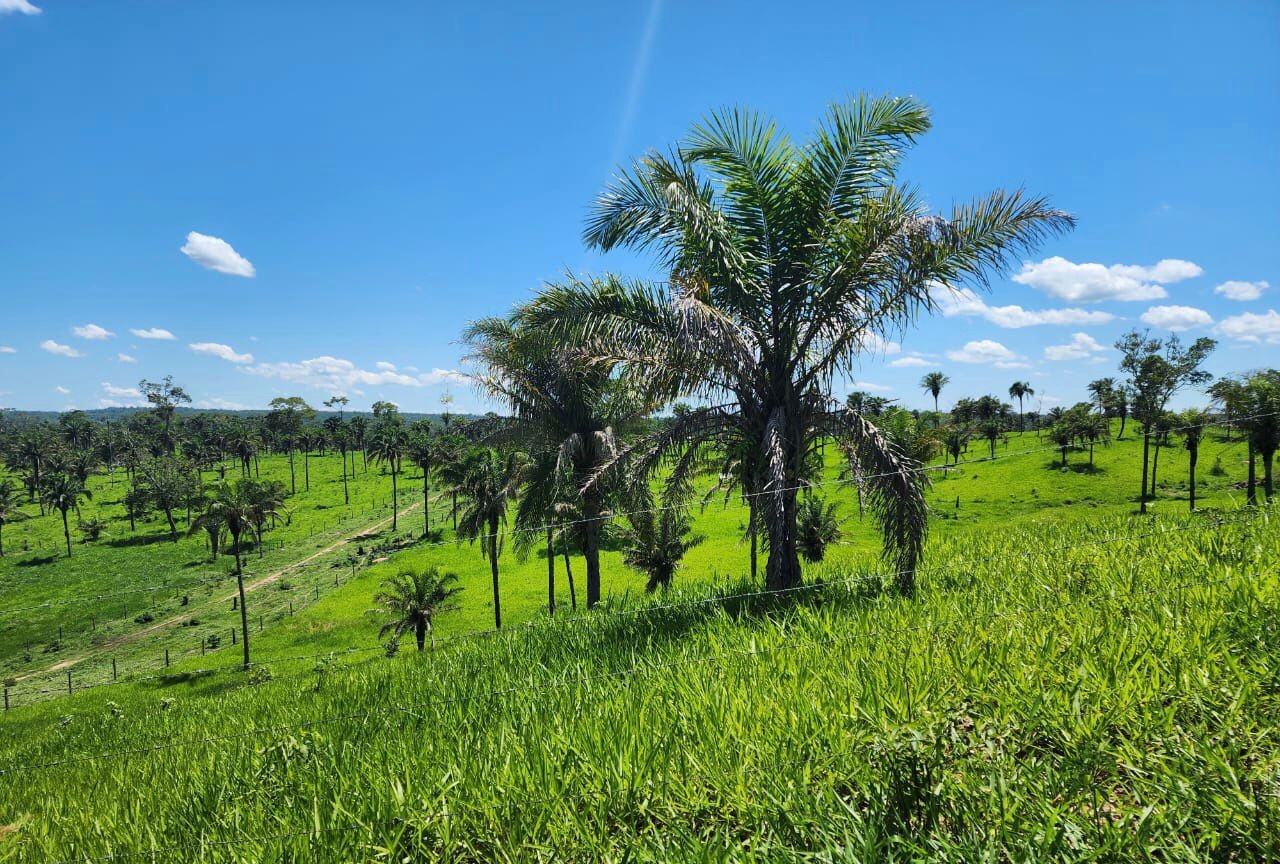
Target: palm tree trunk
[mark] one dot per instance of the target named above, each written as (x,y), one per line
(493,569)
(394,500)
(346,495)
(306,468)
(1192,456)
(782,568)
(420,633)
(551,575)
(1,539)
(1155,463)
(235,537)
(455,511)
(1146,455)
(426,503)
(66,530)
(293,480)
(591,546)
(568,574)
(173,529)
(1252,493)
(244,617)
(1266,473)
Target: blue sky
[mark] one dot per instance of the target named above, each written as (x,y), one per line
(312,197)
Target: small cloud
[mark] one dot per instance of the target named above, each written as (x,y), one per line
(63,390)
(120,392)
(217,349)
(8,349)
(214,253)
(1242,290)
(125,358)
(874,343)
(153,333)
(59,349)
(92,331)
(1081,345)
(1176,318)
(25,7)
(989,352)
(871,387)
(1252,327)
(909,360)
(1092,282)
(385,366)
(336,374)
(221,405)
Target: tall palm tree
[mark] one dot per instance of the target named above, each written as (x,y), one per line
(787,260)
(340,438)
(566,413)
(237,506)
(932,383)
(426,451)
(267,500)
(1193,422)
(413,598)
(10,499)
(388,445)
(63,492)
(489,482)
(1020,390)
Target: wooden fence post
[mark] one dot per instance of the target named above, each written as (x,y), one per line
(68,682)
(114,675)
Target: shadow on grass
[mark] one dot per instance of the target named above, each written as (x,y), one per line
(38,562)
(1081,467)
(139,540)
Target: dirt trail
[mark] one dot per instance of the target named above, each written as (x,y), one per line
(273,576)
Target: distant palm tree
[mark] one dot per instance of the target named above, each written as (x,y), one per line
(818,527)
(236,506)
(388,444)
(1020,390)
(10,498)
(932,383)
(489,482)
(657,542)
(267,498)
(414,598)
(427,451)
(1063,435)
(210,521)
(1194,423)
(340,438)
(63,492)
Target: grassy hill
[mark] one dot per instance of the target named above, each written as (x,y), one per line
(1072,682)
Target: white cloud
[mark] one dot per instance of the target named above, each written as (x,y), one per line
(909,360)
(385,366)
(125,358)
(214,253)
(8,349)
(964,301)
(1176,318)
(1091,283)
(871,387)
(877,344)
(120,392)
(63,390)
(57,348)
(26,7)
(336,374)
(1252,327)
(217,349)
(152,333)
(1235,290)
(987,351)
(221,404)
(92,331)
(1080,346)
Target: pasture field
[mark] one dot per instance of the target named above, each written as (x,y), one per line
(1071,682)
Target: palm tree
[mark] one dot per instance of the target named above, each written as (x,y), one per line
(387,445)
(359,435)
(657,543)
(567,414)
(426,452)
(237,507)
(932,383)
(819,527)
(489,481)
(267,501)
(786,261)
(63,492)
(1063,435)
(1194,422)
(9,504)
(413,598)
(211,522)
(1260,419)
(340,437)
(1020,390)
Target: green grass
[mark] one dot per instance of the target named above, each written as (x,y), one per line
(1072,682)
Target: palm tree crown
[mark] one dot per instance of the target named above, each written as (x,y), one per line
(787,262)
(413,598)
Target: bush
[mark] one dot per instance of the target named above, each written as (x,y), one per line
(259,675)
(213,640)
(144,618)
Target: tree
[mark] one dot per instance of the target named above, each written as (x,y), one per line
(819,527)
(359,435)
(1157,370)
(9,508)
(165,397)
(388,445)
(1019,390)
(166,485)
(266,502)
(566,413)
(1259,416)
(1193,423)
(657,543)
(211,522)
(932,383)
(340,438)
(287,415)
(236,506)
(425,451)
(1063,434)
(413,598)
(1103,391)
(787,262)
(489,481)
(63,492)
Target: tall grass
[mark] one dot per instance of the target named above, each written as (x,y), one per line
(1108,701)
